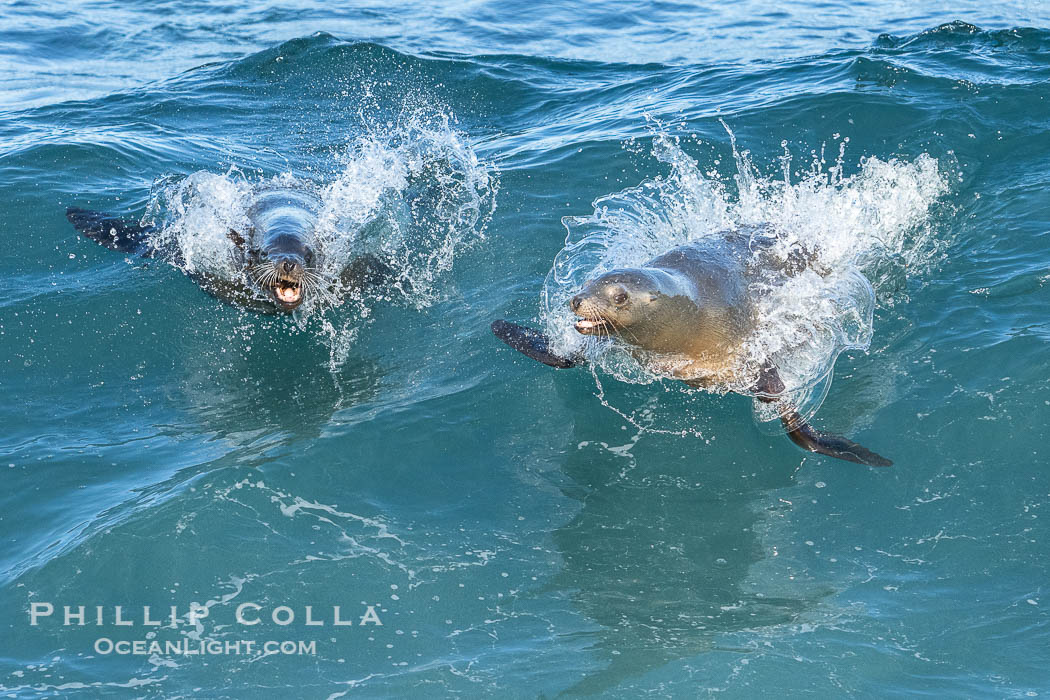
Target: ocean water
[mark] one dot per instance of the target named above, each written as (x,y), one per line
(520,531)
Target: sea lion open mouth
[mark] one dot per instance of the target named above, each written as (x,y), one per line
(284,281)
(287,291)
(591,326)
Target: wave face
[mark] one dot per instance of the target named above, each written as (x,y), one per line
(522,532)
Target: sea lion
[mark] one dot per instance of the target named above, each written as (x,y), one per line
(687,314)
(278,254)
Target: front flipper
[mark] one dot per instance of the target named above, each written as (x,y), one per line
(116,234)
(365,271)
(808,438)
(235,293)
(531,343)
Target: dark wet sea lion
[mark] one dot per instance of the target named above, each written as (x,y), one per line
(278,253)
(688,314)
(282,243)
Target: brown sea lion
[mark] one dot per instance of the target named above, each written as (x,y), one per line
(688,314)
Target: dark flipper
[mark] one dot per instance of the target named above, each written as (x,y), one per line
(366,271)
(809,438)
(116,234)
(531,343)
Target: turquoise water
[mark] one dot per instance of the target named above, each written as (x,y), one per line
(522,532)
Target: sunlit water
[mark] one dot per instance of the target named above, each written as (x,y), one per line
(523,532)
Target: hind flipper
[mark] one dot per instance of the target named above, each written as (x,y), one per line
(531,343)
(809,438)
(769,385)
(116,234)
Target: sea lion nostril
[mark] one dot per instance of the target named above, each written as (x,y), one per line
(289,266)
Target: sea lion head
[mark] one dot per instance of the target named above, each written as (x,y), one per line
(643,307)
(282,270)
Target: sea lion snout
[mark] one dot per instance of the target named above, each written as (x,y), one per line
(282,276)
(590,310)
(288,267)
(604,304)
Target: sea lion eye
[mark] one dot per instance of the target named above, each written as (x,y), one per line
(620,298)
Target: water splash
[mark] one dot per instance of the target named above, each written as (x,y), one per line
(865,229)
(411,191)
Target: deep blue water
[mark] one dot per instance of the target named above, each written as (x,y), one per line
(523,532)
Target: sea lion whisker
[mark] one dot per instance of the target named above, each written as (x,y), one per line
(312,285)
(328,288)
(264,274)
(313,277)
(312,281)
(619,328)
(604,324)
